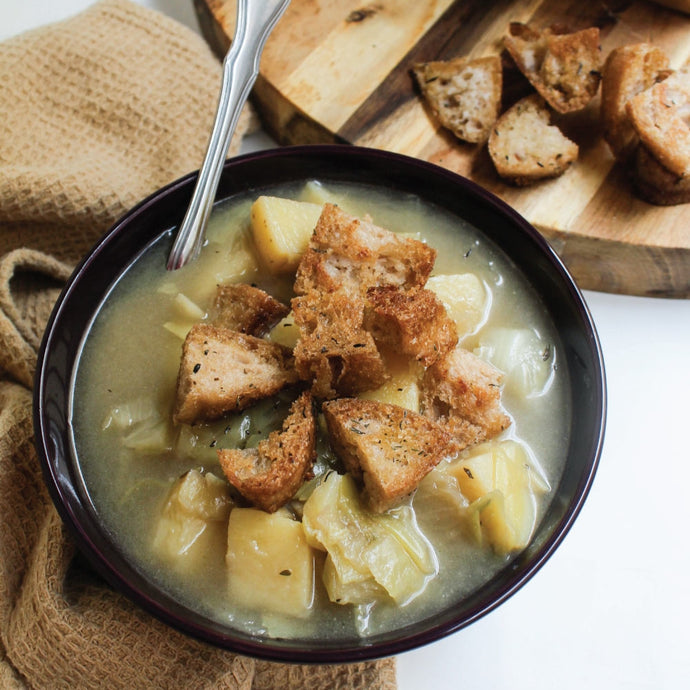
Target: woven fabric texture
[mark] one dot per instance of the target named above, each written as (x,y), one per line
(96,113)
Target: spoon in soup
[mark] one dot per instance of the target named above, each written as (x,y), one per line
(255,21)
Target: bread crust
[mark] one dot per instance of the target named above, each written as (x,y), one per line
(334,351)
(353,254)
(386,448)
(565,68)
(628,70)
(413,322)
(464,94)
(655,183)
(660,117)
(462,393)
(247,309)
(225,371)
(269,475)
(526,148)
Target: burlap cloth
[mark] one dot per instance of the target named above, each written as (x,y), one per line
(95,113)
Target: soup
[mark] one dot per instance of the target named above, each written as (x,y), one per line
(465,520)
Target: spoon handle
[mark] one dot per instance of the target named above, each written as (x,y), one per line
(255,21)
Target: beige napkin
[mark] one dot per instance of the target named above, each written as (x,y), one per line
(95,113)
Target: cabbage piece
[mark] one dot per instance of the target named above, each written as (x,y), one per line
(370,556)
(525,358)
(128,414)
(147,431)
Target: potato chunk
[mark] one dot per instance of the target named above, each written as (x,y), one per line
(464,297)
(192,519)
(402,388)
(501,485)
(270,564)
(282,228)
(285,332)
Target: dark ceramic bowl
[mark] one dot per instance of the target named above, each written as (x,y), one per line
(160,214)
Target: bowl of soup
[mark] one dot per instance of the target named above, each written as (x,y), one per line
(360,420)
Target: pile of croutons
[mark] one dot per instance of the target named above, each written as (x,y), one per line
(361,314)
(644,107)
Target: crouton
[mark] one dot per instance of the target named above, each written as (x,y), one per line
(525,148)
(565,68)
(413,322)
(269,475)
(334,350)
(247,309)
(386,448)
(464,94)
(657,184)
(661,118)
(225,371)
(628,70)
(349,253)
(462,393)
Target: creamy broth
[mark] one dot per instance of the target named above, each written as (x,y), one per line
(131,354)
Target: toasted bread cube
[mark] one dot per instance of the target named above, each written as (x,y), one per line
(657,184)
(501,486)
(464,297)
(270,564)
(247,309)
(268,476)
(387,448)
(464,94)
(349,253)
(628,70)
(525,147)
(413,322)
(402,388)
(463,394)
(334,350)
(661,118)
(565,68)
(225,371)
(281,229)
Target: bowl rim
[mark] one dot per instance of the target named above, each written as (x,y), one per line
(64,496)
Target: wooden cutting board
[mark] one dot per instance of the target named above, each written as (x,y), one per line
(339,71)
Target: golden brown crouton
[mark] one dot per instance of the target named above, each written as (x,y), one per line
(413,322)
(247,309)
(661,118)
(269,475)
(462,393)
(526,148)
(387,448)
(226,371)
(565,68)
(657,184)
(334,350)
(628,70)
(464,94)
(353,254)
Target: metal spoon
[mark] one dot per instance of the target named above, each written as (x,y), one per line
(255,21)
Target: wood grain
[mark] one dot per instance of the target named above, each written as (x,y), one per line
(339,71)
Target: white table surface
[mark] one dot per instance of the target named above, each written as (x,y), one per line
(611,608)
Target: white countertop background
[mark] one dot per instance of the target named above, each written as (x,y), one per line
(611,608)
